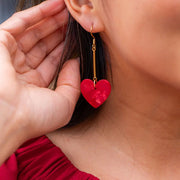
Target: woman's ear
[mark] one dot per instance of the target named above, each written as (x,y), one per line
(86,14)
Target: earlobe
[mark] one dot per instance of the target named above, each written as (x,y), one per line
(84,12)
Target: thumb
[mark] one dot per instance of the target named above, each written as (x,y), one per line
(54,110)
(68,83)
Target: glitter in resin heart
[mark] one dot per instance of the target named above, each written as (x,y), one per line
(97,95)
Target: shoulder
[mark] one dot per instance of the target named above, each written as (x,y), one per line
(39,158)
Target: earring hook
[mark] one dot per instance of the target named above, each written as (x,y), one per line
(91,32)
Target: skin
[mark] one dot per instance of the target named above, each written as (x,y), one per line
(136,135)
(30,46)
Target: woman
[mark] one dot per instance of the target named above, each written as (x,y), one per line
(136,132)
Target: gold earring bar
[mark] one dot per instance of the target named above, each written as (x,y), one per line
(94,57)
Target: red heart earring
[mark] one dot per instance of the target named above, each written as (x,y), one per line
(95,92)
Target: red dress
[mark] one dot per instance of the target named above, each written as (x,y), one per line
(40,159)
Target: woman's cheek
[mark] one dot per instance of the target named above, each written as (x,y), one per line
(166,13)
(149,38)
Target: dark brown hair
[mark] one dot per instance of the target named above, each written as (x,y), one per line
(78,43)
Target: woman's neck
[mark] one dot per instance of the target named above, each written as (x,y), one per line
(137,129)
(141,117)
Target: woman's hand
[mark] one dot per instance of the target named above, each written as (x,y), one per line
(31,42)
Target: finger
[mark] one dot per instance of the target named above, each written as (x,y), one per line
(7,40)
(41,30)
(68,84)
(43,75)
(20,21)
(7,49)
(24,63)
(8,52)
(48,67)
(19,62)
(42,49)
(56,107)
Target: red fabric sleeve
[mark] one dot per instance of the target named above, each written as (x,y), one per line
(9,170)
(40,159)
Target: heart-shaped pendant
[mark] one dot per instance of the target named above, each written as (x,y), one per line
(97,95)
